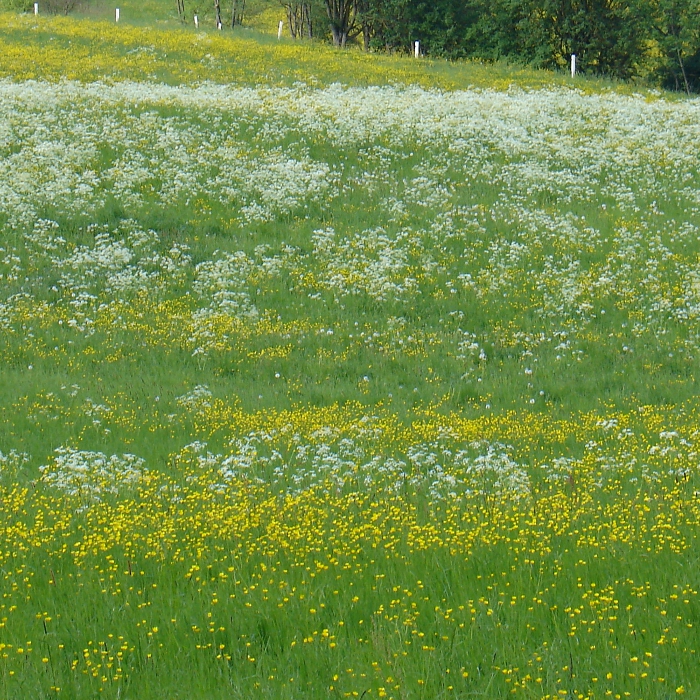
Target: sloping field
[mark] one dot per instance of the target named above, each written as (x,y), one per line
(342,379)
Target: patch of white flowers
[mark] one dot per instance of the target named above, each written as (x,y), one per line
(369,262)
(117,261)
(291,464)
(199,398)
(92,475)
(543,154)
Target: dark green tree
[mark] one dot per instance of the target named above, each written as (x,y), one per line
(676,25)
(442,26)
(607,36)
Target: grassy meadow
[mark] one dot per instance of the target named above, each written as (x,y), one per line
(332,375)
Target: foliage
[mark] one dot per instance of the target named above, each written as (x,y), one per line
(440,26)
(607,36)
(16,5)
(677,31)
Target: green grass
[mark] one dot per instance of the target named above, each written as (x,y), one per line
(369,385)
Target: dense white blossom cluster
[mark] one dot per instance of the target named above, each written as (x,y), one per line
(92,475)
(291,465)
(544,152)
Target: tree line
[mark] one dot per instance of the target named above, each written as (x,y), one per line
(653,39)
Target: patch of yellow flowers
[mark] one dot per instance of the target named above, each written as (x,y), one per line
(370,586)
(55,48)
(62,48)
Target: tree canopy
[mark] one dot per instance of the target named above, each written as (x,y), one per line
(658,39)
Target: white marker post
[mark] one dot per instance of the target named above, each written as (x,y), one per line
(416,49)
(116,15)
(196,22)
(36,8)
(279,30)
(573,65)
